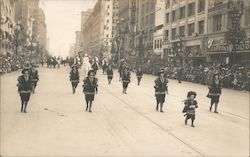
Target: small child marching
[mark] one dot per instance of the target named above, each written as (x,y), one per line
(110,73)
(139,74)
(190,106)
(74,78)
(125,80)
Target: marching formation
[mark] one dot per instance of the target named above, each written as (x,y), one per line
(27,83)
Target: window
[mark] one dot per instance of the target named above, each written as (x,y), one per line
(173,33)
(166,34)
(107,35)
(173,15)
(155,44)
(182,31)
(201,6)
(191,9)
(167,5)
(217,23)
(160,43)
(182,12)
(107,21)
(167,18)
(201,27)
(190,29)
(108,6)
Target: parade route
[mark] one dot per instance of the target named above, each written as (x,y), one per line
(121,124)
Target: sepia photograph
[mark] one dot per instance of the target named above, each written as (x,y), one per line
(124,78)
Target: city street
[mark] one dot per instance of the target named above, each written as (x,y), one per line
(120,125)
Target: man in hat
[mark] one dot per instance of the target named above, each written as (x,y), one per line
(90,88)
(35,76)
(74,77)
(25,87)
(125,79)
(190,106)
(161,89)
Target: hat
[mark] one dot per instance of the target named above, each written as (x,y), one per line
(25,69)
(91,71)
(161,71)
(191,93)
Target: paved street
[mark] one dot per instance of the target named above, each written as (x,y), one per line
(121,125)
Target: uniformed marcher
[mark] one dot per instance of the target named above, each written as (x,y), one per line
(35,76)
(139,74)
(74,77)
(90,88)
(215,92)
(110,73)
(95,67)
(190,106)
(125,79)
(25,88)
(161,89)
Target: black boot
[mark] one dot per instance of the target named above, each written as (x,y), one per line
(25,106)
(22,107)
(90,105)
(87,106)
(215,109)
(161,108)
(210,109)
(186,120)
(192,125)
(157,107)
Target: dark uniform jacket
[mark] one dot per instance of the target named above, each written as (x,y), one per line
(161,86)
(139,73)
(34,75)
(215,90)
(126,77)
(74,77)
(110,72)
(95,66)
(23,85)
(90,87)
(190,106)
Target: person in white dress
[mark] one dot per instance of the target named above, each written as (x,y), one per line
(86,66)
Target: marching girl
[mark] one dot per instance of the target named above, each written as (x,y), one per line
(35,77)
(215,92)
(190,106)
(139,74)
(74,77)
(161,89)
(125,80)
(110,73)
(25,88)
(90,88)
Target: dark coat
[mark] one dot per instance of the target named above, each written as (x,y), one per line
(34,75)
(139,73)
(74,77)
(23,85)
(126,77)
(90,87)
(110,72)
(190,106)
(161,87)
(215,89)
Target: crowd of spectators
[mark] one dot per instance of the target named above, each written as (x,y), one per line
(10,63)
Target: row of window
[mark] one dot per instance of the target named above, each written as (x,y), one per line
(158,44)
(182,30)
(182,12)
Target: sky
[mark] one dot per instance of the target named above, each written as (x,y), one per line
(63,18)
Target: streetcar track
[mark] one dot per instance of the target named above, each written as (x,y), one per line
(202,104)
(158,125)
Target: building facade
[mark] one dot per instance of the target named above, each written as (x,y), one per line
(7,27)
(199,31)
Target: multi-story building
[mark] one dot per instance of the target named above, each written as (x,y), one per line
(84,17)
(97,30)
(145,28)
(7,27)
(158,36)
(127,27)
(78,46)
(228,21)
(204,29)
(185,21)
(41,31)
